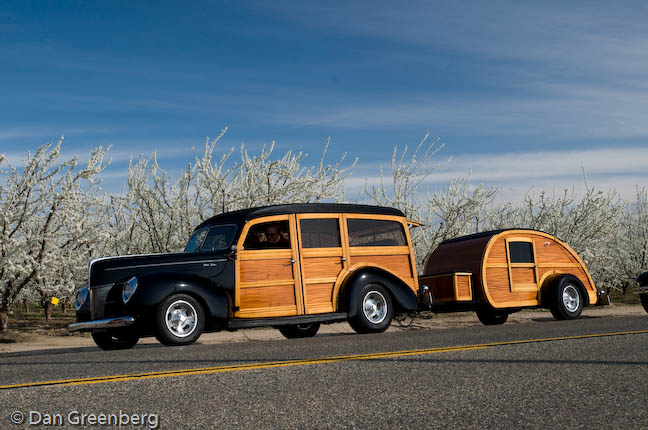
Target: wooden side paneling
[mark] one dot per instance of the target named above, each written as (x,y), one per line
(501,294)
(549,251)
(319,293)
(267,297)
(266,270)
(321,267)
(522,275)
(463,287)
(497,252)
(399,264)
(497,278)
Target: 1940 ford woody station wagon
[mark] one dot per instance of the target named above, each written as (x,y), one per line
(289,266)
(297,266)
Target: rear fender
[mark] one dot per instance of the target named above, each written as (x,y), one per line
(402,295)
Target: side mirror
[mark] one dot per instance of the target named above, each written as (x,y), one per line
(232,254)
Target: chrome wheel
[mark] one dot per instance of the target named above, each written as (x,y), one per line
(374,307)
(571,298)
(181,318)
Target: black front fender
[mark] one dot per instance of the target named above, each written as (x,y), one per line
(153,288)
(402,295)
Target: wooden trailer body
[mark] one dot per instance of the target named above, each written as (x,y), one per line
(506,269)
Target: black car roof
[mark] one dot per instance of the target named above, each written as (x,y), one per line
(240,216)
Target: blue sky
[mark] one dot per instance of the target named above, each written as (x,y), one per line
(523,94)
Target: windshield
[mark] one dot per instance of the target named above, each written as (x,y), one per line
(211,239)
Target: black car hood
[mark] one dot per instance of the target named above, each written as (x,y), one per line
(109,270)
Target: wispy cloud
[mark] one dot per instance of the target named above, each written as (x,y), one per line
(516,173)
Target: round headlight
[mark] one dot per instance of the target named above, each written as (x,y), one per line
(81,297)
(129,289)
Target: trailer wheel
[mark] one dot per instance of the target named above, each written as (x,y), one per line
(299,330)
(374,312)
(644,301)
(179,320)
(114,339)
(490,316)
(566,298)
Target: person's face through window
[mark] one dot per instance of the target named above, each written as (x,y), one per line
(273,234)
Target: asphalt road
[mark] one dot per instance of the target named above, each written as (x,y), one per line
(559,374)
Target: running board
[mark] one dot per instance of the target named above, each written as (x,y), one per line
(236,323)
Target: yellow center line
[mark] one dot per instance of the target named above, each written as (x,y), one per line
(302,362)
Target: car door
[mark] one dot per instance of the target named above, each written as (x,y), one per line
(267,271)
(322,259)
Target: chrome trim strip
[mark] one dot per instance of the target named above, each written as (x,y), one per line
(103,323)
(167,264)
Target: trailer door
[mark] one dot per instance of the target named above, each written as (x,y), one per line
(521,262)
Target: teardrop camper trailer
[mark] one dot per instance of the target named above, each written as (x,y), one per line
(500,272)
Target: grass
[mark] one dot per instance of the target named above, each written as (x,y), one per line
(34,322)
(629,298)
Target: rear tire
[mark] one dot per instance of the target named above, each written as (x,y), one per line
(566,298)
(179,320)
(374,311)
(491,316)
(297,331)
(114,339)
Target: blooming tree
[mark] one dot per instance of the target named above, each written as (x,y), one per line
(39,215)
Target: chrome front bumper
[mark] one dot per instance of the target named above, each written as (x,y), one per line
(103,323)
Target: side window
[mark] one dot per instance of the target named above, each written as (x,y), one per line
(375,232)
(268,235)
(218,238)
(320,233)
(521,252)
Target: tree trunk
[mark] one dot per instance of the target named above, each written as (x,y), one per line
(26,303)
(4,321)
(64,305)
(47,308)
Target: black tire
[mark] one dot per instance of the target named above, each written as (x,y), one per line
(114,339)
(299,330)
(490,316)
(566,298)
(644,301)
(374,310)
(179,320)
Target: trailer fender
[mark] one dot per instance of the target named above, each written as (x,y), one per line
(549,284)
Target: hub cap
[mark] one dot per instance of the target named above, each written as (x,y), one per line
(571,298)
(181,318)
(374,307)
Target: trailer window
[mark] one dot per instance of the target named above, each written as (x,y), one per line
(320,233)
(521,252)
(375,232)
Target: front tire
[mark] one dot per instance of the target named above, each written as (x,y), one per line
(374,311)
(566,298)
(115,339)
(297,331)
(644,301)
(179,320)
(491,316)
